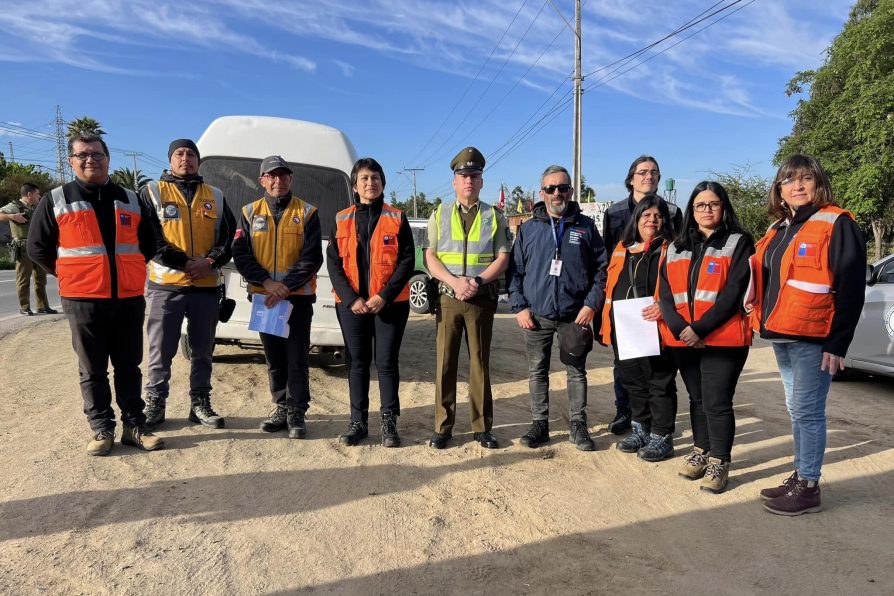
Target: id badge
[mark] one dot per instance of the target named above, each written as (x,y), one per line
(555,267)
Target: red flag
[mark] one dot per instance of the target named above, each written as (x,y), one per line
(502,202)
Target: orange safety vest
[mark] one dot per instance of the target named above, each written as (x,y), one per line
(82,262)
(805,305)
(383,250)
(615,267)
(713,275)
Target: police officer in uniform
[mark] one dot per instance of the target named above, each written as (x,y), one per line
(278,250)
(185,282)
(18,214)
(468,252)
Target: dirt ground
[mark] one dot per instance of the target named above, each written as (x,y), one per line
(239,511)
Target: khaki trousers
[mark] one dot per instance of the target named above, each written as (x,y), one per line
(476,318)
(24,271)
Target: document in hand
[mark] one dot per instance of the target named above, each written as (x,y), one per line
(274,321)
(636,336)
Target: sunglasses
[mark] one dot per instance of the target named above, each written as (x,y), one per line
(552,188)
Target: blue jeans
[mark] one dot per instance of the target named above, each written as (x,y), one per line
(806,390)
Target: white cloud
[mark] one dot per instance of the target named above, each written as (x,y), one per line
(347,70)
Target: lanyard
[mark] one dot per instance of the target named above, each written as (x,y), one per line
(558,238)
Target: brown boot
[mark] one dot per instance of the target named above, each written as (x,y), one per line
(139,437)
(778,491)
(694,464)
(716,476)
(101,443)
(798,500)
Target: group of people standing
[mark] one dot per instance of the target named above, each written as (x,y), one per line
(709,288)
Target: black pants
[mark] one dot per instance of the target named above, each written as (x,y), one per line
(287,358)
(651,385)
(104,330)
(365,335)
(710,375)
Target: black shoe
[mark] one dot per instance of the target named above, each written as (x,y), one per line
(47,311)
(537,435)
(204,414)
(154,411)
(296,423)
(26,312)
(390,438)
(276,422)
(580,436)
(621,423)
(438,441)
(486,440)
(357,431)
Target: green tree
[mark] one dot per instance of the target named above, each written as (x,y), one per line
(517,195)
(85,125)
(748,193)
(587,193)
(424,207)
(16,174)
(847,118)
(129,179)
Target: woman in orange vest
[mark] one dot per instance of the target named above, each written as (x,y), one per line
(650,381)
(370,260)
(703,281)
(809,283)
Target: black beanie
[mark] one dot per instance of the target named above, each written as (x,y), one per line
(182,143)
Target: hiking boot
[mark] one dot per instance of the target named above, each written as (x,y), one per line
(799,499)
(202,413)
(390,438)
(778,491)
(659,448)
(357,431)
(621,422)
(537,435)
(101,443)
(276,421)
(438,441)
(139,437)
(694,464)
(639,438)
(154,410)
(580,436)
(716,476)
(296,423)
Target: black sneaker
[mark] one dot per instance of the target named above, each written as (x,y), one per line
(204,414)
(296,423)
(580,436)
(390,438)
(47,311)
(154,411)
(621,422)
(537,435)
(277,420)
(357,431)
(26,312)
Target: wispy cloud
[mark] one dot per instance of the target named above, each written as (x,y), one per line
(347,70)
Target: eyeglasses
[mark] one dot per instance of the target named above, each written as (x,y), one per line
(281,175)
(805,179)
(644,173)
(712,206)
(552,188)
(85,156)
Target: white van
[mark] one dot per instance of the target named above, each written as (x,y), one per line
(321,157)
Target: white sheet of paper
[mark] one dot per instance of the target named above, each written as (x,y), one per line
(636,337)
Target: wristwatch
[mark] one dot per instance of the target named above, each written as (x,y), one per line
(479,281)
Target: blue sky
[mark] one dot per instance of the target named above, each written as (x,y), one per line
(412,81)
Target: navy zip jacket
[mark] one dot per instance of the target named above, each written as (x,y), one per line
(582,279)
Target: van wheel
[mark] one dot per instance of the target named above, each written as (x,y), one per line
(184,348)
(419,293)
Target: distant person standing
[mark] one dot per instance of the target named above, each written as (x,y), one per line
(278,250)
(642,179)
(185,282)
(18,214)
(468,252)
(97,237)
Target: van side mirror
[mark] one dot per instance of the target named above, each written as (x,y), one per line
(870,275)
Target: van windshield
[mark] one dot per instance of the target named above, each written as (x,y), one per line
(326,189)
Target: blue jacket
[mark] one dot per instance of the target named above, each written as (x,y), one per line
(582,279)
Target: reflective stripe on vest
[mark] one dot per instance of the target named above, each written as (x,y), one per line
(462,255)
(805,305)
(383,250)
(615,267)
(276,247)
(713,275)
(192,228)
(82,263)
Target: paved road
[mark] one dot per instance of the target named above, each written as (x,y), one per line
(9,301)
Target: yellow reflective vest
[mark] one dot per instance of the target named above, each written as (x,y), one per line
(461,254)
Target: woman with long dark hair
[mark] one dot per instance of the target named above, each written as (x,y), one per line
(703,282)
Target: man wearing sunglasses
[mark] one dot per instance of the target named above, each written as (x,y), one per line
(557,285)
(643,177)
(96,237)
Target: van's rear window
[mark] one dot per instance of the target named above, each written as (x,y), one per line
(326,189)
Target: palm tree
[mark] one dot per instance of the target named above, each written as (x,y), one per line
(85,126)
(129,179)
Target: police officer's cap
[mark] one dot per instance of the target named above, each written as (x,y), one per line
(274,162)
(468,161)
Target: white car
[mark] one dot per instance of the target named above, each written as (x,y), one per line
(872,350)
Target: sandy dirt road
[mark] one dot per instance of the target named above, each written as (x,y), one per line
(239,511)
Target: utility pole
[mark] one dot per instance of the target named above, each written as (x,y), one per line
(12,156)
(578,90)
(414,170)
(61,150)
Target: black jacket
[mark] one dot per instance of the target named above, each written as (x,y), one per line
(616,217)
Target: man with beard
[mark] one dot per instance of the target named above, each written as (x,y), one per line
(557,286)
